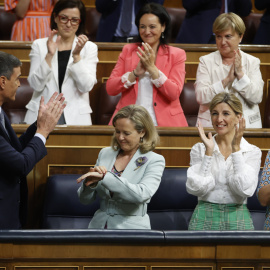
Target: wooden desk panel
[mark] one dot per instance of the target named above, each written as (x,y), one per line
(90,256)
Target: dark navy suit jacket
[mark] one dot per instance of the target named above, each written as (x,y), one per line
(18,156)
(200,16)
(263,33)
(110,13)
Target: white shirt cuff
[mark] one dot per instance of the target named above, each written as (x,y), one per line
(242,83)
(41,137)
(125,80)
(160,80)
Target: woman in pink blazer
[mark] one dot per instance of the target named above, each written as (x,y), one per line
(151,73)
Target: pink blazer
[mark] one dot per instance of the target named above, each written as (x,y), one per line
(169,60)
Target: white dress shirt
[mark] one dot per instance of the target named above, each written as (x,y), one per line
(216,180)
(134,29)
(226,6)
(145,90)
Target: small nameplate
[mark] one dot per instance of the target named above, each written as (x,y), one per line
(254,117)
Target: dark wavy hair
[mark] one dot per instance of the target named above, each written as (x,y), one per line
(7,63)
(161,13)
(63,4)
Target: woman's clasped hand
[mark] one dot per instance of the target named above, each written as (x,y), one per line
(93,176)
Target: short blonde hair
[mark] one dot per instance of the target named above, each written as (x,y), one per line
(228,98)
(226,21)
(142,121)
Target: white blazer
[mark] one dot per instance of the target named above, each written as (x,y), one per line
(78,82)
(249,89)
(127,208)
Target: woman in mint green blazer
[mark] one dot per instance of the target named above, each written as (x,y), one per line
(126,175)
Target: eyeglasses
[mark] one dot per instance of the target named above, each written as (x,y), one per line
(65,20)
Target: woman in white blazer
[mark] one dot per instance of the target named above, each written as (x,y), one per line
(64,62)
(229,70)
(126,175)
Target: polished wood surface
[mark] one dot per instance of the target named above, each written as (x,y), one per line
(90,256)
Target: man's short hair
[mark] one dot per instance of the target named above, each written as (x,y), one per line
(7,63)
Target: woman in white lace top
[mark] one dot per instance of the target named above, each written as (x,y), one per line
(223,170)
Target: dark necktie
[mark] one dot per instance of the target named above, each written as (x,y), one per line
(127,6)
(224,7)
(222,10)
(2,120)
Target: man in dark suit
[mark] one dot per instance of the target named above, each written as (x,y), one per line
(18,156)
(112,19)
(263,32)
(201,14)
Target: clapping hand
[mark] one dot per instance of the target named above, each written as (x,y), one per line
(82,39)
(49,114)
(147,56)
(239,132)
(99,169)
(208,141)
(91,178)
(238,65)
(140,69)
(235,70)
(52,46)
(231,74)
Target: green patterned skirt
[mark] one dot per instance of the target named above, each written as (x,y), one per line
(220,217)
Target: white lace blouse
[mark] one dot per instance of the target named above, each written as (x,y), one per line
(214,179)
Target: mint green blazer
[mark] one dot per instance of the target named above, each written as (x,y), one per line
(127,208)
